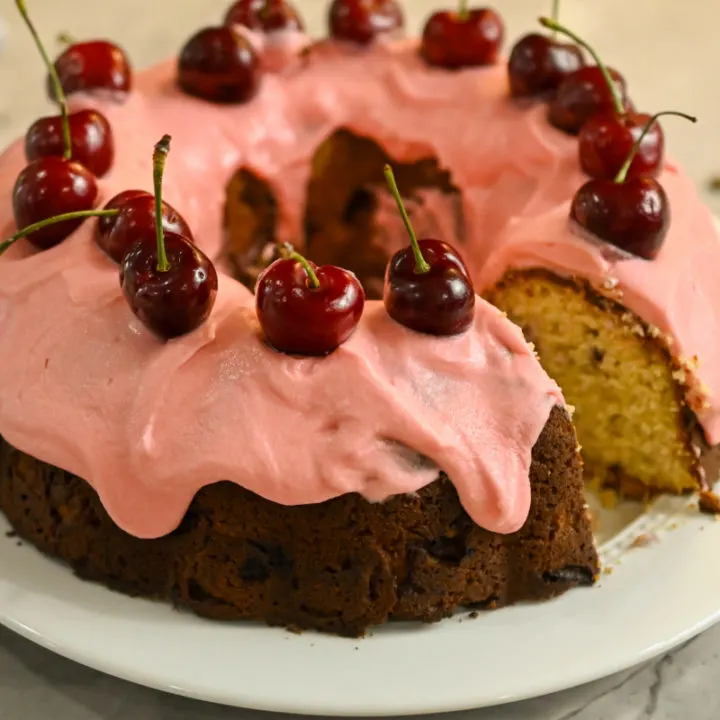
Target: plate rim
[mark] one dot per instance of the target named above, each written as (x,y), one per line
(671,519)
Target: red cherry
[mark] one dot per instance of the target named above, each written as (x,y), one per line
(438,302)
(307,310)
(136,222)
(107,223)
(93,65)
(427,285)
(633,215)
(219,65)
(175,301)
(587,91)
(462,39)
(582,94)
(361,21)
(538,64)
(48,187)
(607,139)
(265,15)
(91,140)
(169,284)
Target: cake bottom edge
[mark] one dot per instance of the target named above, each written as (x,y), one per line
(343,566)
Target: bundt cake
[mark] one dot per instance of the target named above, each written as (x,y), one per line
(312,455)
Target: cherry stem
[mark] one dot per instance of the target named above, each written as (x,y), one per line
(617,100)
(313,281)
(65,38)
(555,15)
(159,157)
(421,265)
(463,11)
(30,229)
(622,173)
(57,86)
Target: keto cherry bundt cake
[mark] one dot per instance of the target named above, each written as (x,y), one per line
(363,438)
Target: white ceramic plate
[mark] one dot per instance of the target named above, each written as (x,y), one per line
(656,596)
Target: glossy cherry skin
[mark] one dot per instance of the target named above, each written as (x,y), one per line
(174,302)
(93,65)
(538,64)
(439,302)
(361,21)
(219,65)
(633,216)
(136,222)
(48,187)
(582,94)
(451,42)
(606,140)
(299,319)
(106,224)
(90,135)
(264,15)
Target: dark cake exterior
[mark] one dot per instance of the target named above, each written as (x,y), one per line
(342,566)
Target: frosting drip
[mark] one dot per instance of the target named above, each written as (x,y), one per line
(85,387)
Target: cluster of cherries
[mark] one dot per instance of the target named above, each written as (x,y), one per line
(68,152)
(619,148)
(310,310)
(169,283)
(219,64)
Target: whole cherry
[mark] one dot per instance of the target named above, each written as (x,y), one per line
(135,223)
(607,138)
(586,91)
(264,15)
(219,65)
(539,63)
(171,285)
(630,213)
(91,140)
(427,285)
(304,309)
(462,38)
(52,185)
(48,187)
(361,21)
(92,65)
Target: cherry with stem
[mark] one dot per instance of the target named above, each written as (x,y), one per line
(467,37)
(629,212)
(54,78)
(587,90)
(52,185)
(91,65)
(427,285)
(170,285)
(539,63)
(135,222)
(304,309)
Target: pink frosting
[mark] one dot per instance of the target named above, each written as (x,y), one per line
(87,388)
(84,386)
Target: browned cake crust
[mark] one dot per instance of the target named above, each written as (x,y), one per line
(341,566)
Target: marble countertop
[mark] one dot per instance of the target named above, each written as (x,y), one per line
(667,53)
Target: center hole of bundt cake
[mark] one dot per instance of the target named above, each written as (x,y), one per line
(350,218)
